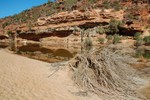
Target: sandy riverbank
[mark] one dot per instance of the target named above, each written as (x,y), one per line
(22,78)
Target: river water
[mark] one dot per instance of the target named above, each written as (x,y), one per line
(53,54)
(44,53)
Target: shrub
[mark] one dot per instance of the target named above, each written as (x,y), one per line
(114,26)
(92,1)
(116,5)
(100,30)
(5,24)
(49,2)
(106,4)
(116,39)
(109,37)
(101,40)
(138,53)
(69,4)
(29,25)
(9,32)
(147,40)
(147,27)
(146,55)
(137,35)
(10,35)
(139,41)
(88,42)
(142,53)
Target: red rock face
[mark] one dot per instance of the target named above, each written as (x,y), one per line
(37,37)
(59,1)
(64,17)
(78,17)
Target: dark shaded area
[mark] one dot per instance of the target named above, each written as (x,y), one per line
(3,46)
(129,23)
(128,32)
(37,37)
(125,31)
(3,37)
(92,25)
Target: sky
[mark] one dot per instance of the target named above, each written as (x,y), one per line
(11,7)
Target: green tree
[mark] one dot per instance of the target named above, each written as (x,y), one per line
(114,26)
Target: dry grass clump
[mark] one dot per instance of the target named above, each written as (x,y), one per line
(103,71)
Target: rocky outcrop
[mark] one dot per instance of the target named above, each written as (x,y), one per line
(64,17)
(33,35)
(66,27)
(76,18)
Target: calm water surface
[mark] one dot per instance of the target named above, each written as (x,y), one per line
(48,54)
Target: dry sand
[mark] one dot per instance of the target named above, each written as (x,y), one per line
(22,78)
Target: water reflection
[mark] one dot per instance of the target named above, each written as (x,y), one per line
(48,54)
(3,45)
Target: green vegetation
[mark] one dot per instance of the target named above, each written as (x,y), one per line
(139,53)
(92,1)
(116,38)
(29,25)
(101,40)
(88,42)
(138,38)
(106,4)
(115,5)
(146,54)
(31,15)
(9,32)
(47,9)
(100,30)
(5,24)
(69,4)
(109,37)
(50,8)
(147,40)
(147,27)
(142,53)
(131,17)
(10,35)
(114,26)
(139,41)
(137,35)
(131,13)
